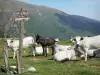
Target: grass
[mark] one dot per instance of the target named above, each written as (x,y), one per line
(45,66)
(63,42)
(49,67)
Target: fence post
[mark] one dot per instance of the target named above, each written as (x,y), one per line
(19,52)
(6,53)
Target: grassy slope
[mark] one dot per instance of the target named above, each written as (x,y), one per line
(45,66)
(47,24)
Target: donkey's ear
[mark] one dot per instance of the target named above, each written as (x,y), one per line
(81,38)
(37,34)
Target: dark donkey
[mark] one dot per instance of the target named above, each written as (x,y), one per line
(45,42)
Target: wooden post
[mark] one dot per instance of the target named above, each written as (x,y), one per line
(19,52)
(6,53)
(20,16)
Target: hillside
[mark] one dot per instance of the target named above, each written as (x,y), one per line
(51,22)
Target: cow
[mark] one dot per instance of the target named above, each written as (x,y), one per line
(58,47)
(86,43)
(39,50)
(63,52)
(64,55)
(14,44)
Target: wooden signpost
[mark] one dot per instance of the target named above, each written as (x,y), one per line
(20,16)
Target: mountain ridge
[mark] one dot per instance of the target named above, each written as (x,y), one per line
(52,22)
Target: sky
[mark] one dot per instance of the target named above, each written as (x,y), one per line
(86,8)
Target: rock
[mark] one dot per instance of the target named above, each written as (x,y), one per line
(14,67)
(31,69)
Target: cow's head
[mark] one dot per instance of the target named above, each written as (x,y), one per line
(77,40)
(9,41)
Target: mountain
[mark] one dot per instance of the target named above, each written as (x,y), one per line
(50,22)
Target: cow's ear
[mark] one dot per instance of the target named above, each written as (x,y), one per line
(88,36)
(11,41)
(71,37)
(81,38)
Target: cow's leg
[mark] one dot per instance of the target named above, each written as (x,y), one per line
(45,51)
(14,54)
(32,50)
(86,49)
(52,50)
(85,52)
(80,52)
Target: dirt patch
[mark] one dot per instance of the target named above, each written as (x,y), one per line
(95,66)
(1,49)
(35,59)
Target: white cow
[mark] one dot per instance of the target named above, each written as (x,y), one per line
(93,52)
(87,43)
(64,55)
(63,52)
(14,44)
(90,52)
(96,53)
(39,50)
(58,47)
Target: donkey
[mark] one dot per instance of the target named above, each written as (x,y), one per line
(45,42)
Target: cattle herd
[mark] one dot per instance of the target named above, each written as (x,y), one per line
(83,47)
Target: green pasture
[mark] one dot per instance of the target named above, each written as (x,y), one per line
(46,66)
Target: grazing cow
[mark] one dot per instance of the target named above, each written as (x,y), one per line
(14,44)
(45,42)
(64,55)
(87,43)
(39,50)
